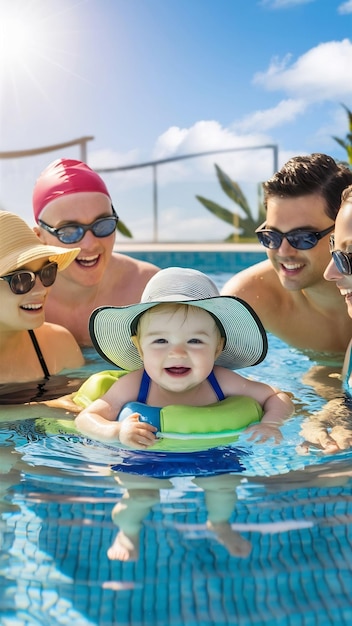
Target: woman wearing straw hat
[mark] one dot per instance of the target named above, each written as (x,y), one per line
(180,345)
(30,348)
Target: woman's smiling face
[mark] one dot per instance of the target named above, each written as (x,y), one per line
(342,241)
(25,311)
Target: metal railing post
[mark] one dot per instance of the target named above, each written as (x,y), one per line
(154,164)
(155,203)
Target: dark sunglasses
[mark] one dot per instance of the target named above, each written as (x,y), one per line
(73,233)
(342,260)
(22,281)
(300,239)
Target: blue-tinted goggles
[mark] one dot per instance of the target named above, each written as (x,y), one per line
(73,233)
(300,239)
(342,260)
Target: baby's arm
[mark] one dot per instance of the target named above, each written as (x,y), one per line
(276,404)
(99,420)
(277,408)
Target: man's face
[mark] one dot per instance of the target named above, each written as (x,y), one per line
(299,269)
(81,208)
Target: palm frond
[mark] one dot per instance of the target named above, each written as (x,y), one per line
(232,190)
(122,228)
(219,211)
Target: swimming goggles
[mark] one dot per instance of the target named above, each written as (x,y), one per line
(22,281)
(342,260)
(299,238)
(73,233)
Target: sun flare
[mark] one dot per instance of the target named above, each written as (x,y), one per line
(34,38)
(39,48)
(20,37)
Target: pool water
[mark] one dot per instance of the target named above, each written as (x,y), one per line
(292,514)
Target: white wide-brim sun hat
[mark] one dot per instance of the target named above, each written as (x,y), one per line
(19,246)
(111,327)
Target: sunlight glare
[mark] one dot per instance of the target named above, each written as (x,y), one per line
(15,38)
(24,36)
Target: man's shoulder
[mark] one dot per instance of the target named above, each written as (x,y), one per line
(258,276)
(125,279)
(130,263)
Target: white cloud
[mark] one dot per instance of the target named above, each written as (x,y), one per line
(208,135)
(204,135)
(322,73)
(283,4)
(285,111)
(345,7)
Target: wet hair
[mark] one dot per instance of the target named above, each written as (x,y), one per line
(313,174)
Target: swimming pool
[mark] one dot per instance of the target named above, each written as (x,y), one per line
(56,527)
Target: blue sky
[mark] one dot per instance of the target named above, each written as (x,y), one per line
(153,79)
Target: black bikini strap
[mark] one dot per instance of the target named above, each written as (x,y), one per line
(39,354)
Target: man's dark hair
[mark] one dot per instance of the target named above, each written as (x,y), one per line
(313,174)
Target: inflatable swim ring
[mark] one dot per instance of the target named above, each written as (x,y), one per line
(181,428)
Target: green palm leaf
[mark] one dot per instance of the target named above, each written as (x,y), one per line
(219,211)
(232,190)
(346,143)
(122,228)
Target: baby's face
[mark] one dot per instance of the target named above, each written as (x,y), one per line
(178,346)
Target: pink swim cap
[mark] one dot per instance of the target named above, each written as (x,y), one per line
(62,177)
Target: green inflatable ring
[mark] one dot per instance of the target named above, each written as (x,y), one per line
(184,428)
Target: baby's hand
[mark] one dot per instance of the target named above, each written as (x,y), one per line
(136,434)
(262,432)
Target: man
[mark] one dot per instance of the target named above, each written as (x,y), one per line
(72,207)
(288,291)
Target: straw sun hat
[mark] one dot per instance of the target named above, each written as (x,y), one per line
(111,327)
(19,245)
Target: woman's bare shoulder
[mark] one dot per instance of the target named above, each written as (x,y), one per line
(59,346)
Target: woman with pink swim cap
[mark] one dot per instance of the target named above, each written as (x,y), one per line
(72,206)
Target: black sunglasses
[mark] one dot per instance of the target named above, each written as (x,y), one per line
(22,281)
(299,238)
(73,233)
(342,260)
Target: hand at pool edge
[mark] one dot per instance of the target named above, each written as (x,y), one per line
(338,439)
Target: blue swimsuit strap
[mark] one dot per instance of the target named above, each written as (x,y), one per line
(346,382)
(145,384)
(216,387)
(144,388)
